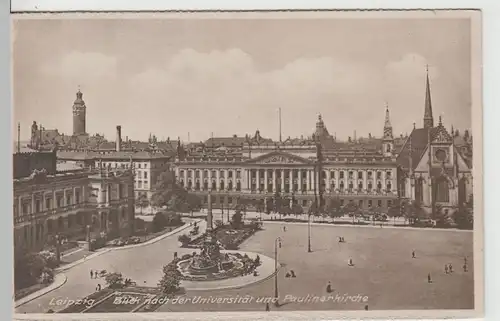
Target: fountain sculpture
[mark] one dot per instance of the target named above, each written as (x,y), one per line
(210,260)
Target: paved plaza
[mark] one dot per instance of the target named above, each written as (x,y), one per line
(382,258)
(383,265)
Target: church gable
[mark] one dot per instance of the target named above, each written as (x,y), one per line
(436,162)
(278,158)
(441,136)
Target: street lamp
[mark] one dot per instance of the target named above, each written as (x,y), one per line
(278,239)
(309,232)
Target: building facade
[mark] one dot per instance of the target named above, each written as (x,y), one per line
(296,169)
(433,169)
(46,204)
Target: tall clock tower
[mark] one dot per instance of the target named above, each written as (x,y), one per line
(79,111)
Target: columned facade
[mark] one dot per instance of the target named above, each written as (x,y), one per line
(367,183)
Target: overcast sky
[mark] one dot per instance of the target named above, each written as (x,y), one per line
(171,77)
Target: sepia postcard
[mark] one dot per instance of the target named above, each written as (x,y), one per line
(247,165)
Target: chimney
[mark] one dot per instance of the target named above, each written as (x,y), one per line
(118,138)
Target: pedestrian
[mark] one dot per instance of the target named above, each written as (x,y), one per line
(98,287)
(293,274)
(329,287)
(279,244)
(446,269)
(429,280)
(450,267)
(350,262)
(340,239)
(465,267)
(267,307)
(413,255)
(91,274)
(366,306)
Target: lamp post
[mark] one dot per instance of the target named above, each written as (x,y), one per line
(58,249)
(278,239)
(309,233)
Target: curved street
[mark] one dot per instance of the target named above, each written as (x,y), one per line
(143,264)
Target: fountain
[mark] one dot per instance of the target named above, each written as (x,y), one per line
(210,263)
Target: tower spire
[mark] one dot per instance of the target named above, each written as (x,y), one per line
(428,118)
(387,124)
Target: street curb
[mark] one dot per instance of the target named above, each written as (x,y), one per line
(152,241)
(371,226)
(238,286)
(156,239)
(59,280)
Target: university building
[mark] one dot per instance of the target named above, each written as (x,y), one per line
(261,168)
(430,165)
(52,198)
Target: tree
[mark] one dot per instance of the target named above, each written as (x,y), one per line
(159,222)
(464,216)
(143,201)
(28,269)
(114,280)
(353,209)
(184,239)
(193,202)
(170,281)
(333,208)
(165,188)
(439,216)
(237,219)
(259,206)
(414,212)
(297,209)
(277,202)
(395,210)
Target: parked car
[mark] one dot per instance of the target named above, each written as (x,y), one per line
(118,242)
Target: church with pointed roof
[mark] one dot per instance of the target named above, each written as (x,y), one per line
(433,170)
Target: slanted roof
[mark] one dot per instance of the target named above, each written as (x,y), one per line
(225,141)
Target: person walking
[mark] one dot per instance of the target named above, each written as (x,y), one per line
(267,307)
(91,274)
(413,254)
(446,269)
(329,287)
(429,280)
(450,267)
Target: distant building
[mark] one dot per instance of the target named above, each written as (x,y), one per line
(436,168)
(260,168)
(146,165)
(49,202)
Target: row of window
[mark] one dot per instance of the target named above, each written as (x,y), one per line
(48,201)
(123,165)
(141,184)
(287,173)
(197,173)
(141,174)
(197,186)
(361,203)
(341,188)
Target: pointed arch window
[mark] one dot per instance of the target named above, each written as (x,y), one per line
(442,190)
(419,190)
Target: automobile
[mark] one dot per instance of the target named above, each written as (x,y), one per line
(118,242)
(133,240)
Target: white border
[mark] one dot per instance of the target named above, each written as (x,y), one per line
(491,110)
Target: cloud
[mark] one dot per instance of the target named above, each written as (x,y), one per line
(226,87)
(82,66)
